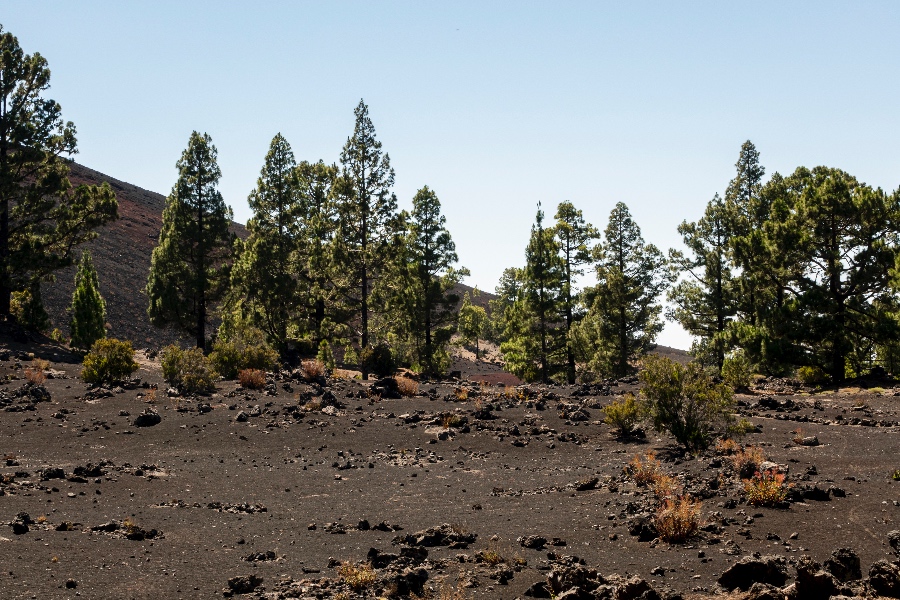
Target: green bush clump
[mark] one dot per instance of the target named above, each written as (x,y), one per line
(624,414)
(737,370)
(188,369)
(684,401)
(245,348)
(108,360)
(378,360)
(812,375)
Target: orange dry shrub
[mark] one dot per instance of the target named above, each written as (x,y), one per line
(665,487)
(727,446)
(253,379)
(406,386)
(35,376)
(748,460)
(766,488)
(312,369)
(677,519)
(644,470)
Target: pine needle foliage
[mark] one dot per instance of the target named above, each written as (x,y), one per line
(88,310)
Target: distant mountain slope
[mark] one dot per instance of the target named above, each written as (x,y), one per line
(122,257)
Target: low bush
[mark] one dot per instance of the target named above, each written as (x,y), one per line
(35,373)
(624,414)
(244,348)
(677,519)
(684,401)
(109,360)
(737,370)
(644,470)
(812,375)
(358,577)
(665,486)
(377,360)
(407,387)
(748,460)
(252,379)
(766,488)
(188,369)
(312,369)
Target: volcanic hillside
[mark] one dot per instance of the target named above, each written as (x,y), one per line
(121,255)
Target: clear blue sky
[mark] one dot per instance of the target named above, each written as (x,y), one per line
(494,105)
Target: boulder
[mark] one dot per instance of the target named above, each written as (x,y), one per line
(749,570)
(844,565)
(884,578)
(813,583)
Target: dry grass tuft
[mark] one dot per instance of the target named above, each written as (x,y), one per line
(450,420)
(677,519)
(407,387)
(748,459)
(312,369)
(358,577)
(252,379)
(644,469)
(665,486)
(35,376)
(766,488)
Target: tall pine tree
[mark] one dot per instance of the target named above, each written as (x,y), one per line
(42,217)
(264,279)
(705,301)
(433,255)
(367,218)
(88,311)
(535,324)
(574,236)
(623,319)
(189,267)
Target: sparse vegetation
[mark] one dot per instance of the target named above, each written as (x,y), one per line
(766,488)
(812,375)
(243,347)
(188,369)
(252,379)
(644,469)
(624,414)
(109,360)
(684,401)
(358,577)
(737,370)
(406,386)
(313,369)
(677,519)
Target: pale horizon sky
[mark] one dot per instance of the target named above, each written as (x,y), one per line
(494,105)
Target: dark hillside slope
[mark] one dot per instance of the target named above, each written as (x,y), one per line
(122,257)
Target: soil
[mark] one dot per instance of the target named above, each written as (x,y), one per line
(285,484)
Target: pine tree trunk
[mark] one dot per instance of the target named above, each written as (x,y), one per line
(5,284)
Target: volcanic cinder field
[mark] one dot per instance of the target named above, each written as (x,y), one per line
(464,490)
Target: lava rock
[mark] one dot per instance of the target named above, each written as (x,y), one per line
(535,542)
(148,418)
(844,565)
(884,577)
(749,570)
(812,582)
(244,584)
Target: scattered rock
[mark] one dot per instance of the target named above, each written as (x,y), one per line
(148,418)
(884,578)
(442,535)
(844,565)
(244,584)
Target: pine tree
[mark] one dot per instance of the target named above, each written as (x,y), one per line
(264,280)
(535,325)
(42,217)
(747,211)
(623,320)
(88,310)
(472,320)
(574,236)
(189,267)
(844,236)
(324,315)
(368,222)
(705,302)
(433,255)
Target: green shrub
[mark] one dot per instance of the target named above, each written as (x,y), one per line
(244,348)
(737,370)
(812,375)
(188,369)
(624,414)
(378,360)
(109,360)
(684,401)
(325,355)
